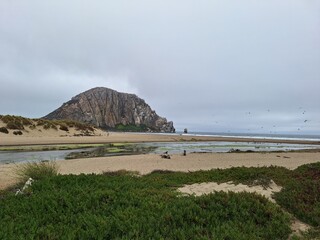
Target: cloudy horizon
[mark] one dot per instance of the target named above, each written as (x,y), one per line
(218,66)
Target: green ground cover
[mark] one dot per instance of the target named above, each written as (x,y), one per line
(122,205)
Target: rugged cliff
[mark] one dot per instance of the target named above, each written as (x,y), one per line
(106,108)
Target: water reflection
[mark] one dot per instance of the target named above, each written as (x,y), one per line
(143,148)
(112,150)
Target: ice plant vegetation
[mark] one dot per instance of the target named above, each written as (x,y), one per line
(122,205)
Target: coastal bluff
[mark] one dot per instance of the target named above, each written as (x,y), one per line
(109,109)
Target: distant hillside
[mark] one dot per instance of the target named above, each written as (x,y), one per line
(106,108)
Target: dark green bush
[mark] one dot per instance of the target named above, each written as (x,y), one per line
(16,122)
(49,125)
(40,122)
(78,125)
(33,126)
(15,125)
(7,118)
(4,130)
(26,121)
(64,128)
(17,132)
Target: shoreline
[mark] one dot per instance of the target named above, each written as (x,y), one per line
(116,137)
(146,163)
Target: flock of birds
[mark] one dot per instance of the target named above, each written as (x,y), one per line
(274,126)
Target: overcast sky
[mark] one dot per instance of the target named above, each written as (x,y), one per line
(207,65)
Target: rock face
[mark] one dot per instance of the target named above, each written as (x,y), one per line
(106,108)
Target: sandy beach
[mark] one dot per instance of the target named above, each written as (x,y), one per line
(147,163)
(112,137)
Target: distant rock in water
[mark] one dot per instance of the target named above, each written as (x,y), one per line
(106,108)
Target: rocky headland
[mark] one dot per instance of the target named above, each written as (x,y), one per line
(109,109)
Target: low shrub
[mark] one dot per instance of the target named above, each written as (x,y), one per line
(17,132)
(64,128)
(7,118)
(40,122)
(36,170)
(16,122)
(47,124)
(33,126)
(4,130)
(77,125)
(15,125)
(25,121)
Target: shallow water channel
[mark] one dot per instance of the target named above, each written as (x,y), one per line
(44,153)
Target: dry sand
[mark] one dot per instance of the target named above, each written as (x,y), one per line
(35,137)
(199,189)
(145,164)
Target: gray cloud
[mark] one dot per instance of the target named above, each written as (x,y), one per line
(202,64)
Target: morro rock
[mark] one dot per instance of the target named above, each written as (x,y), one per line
(106,108)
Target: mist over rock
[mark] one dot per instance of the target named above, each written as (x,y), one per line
(107,108)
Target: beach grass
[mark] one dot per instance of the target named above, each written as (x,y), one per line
(123,205)
(21,123)
(36,170)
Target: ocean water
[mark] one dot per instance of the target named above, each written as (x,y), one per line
(257,135)
(223,147)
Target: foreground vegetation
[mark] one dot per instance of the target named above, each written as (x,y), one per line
(122,205)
